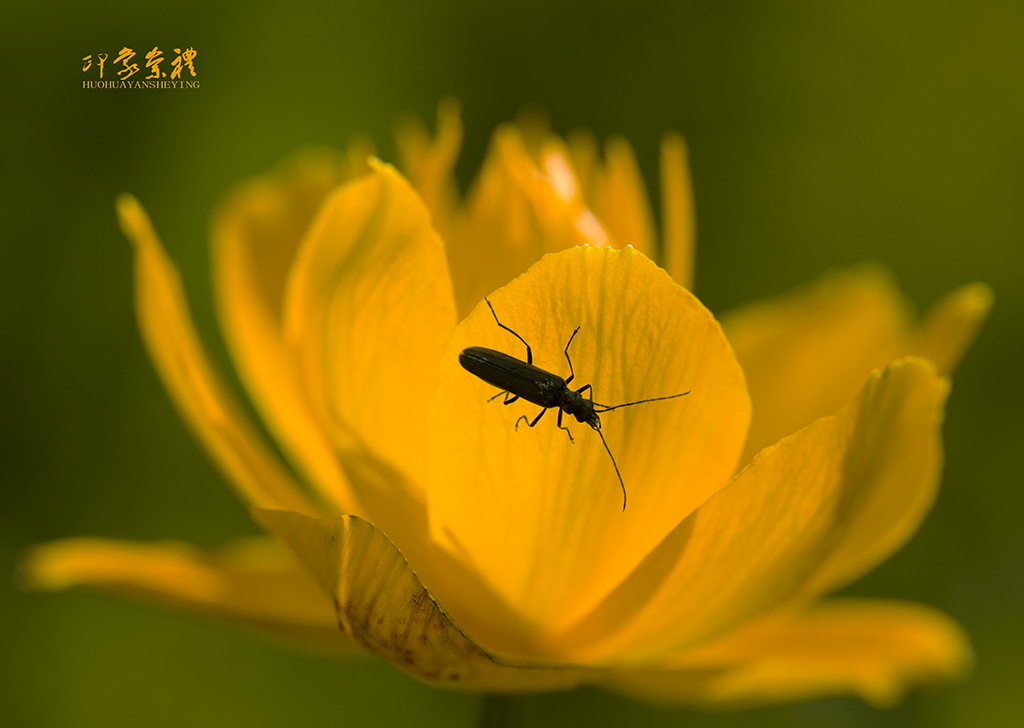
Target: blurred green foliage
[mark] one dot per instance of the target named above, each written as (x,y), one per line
(820,135)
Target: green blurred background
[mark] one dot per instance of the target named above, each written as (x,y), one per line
(821,135)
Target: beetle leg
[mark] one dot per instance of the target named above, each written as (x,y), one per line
(529,351)
(584,388)
(564,428)
(509,397)
(535,421)
(571,372)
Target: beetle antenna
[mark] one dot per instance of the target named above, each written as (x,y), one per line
(642,401)
(614,465)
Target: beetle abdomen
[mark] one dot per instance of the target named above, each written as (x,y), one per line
(513,375)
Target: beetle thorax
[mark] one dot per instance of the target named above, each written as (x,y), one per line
(575,404)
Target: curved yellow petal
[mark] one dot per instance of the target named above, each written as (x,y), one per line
(541,517)
(678,218)
(368,309)
(806,353)
(951,324)
(429,163)
(623,204)
(254,582)
(807,513)
(179,359)
(875,650)
(513,215)
(255,237)
(383,605)
(892,497)
(556,168)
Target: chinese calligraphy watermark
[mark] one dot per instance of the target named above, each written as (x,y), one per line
(123,69)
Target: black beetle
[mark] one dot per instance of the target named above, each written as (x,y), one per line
(521,379)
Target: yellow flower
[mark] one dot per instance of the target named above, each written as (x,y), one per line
(473,556)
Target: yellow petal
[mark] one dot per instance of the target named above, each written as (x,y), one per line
(556,167)
(951,324)
(254,582)
(678,219)
(582,149)
(615,192)
(806,354)
(807,513)
(623,205)
(891,497)
(874,650)
(383,605)
(513,216)
(429,163)
(540,517)
(255,237)
(179,359)
(368,309)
